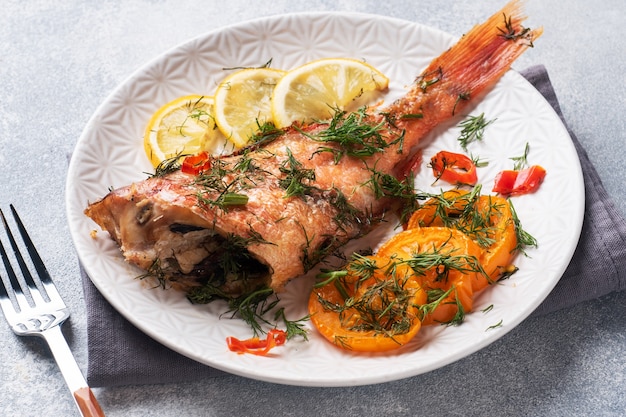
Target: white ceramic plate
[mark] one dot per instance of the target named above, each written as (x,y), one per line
(110,154)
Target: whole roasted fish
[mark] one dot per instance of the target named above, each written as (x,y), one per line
(269,213)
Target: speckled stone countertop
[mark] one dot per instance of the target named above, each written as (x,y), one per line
(58,62)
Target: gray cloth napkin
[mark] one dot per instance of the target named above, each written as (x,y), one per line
(120,354)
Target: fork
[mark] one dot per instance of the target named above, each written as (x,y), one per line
(41,314)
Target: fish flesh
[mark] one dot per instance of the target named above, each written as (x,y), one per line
(268,213)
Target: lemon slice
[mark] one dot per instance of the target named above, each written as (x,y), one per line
(314,90)
(182,126)
(242,102)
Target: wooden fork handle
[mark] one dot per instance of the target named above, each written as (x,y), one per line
(87,403)
(83,396)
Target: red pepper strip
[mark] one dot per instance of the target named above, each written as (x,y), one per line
(519,182)
(454,168)
(195,164)
(256,346)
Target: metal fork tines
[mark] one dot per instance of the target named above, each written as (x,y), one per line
(37,309)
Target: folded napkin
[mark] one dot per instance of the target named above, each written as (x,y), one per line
(120,354)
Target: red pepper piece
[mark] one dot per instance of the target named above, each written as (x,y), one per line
(255,345)
(454,168)
(195,164)
(519,182)
(504,182)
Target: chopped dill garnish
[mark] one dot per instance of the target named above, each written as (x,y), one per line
(509,33)
(297,178)
(426,80)
(524,239)
(461,97)
(443,263)
(156,272)
(473,129)
(488,308)
(293,328)
(253,307)
(168,165)
(521,161)
(268,64)
(386,185)
(266,132)
(495,326)
(353,135)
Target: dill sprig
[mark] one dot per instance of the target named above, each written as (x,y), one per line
(524,239)
(265,133)
(386,185)
(443,262)
(168,165)
(293,328)
(426,80)
(297,179)
(437,296)
(381,307)
(155,271)
(509,32)
(253,307)
(353,135)
(217,191)
(473,128)
(521,161)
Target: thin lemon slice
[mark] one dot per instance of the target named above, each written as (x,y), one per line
(242,102)
(183,126)
(314,90)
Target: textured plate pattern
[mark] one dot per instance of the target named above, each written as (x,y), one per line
(110,153)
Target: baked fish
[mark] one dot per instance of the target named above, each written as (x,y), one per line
(270,212)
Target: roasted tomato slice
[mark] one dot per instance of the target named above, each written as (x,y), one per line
(454,168)
(519,182)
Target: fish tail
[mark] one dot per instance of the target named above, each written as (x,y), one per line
(475,63)
(487,51)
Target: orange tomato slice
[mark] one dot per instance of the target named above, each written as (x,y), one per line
(486,219)
(445,262)
(439,212)
(369,308)
(497,255)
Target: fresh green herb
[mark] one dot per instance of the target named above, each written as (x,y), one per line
(381,307)
(353,135)
(509,33)
(524,239)
(268,64)
(265,133)
(521,161)
(476,160)
(443,263)
(435,297)
(297,179)
(412,116)
(216,191)
(426,80)
(495,326)
(155,271)
(473,129)
(487,309)
(386,185)
(223,201)
(293,328)
(253,307)
(346,213)
(461,97)
(168,165)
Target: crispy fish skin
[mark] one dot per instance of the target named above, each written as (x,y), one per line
(172,226)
